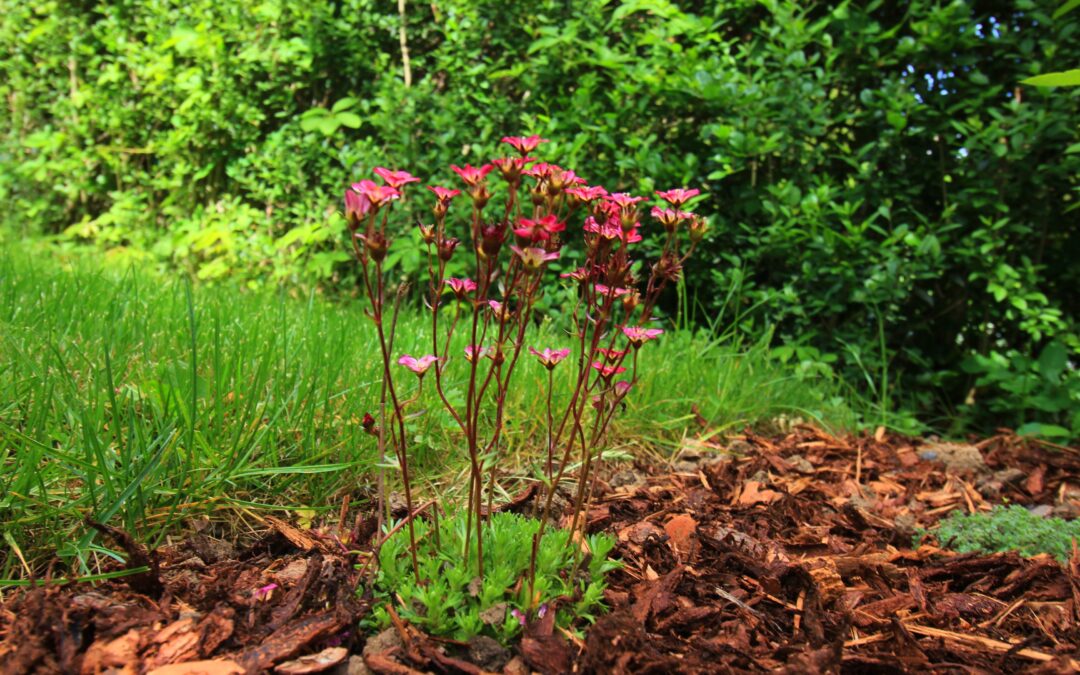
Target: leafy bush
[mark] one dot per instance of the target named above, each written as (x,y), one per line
(1012,528)
(893,202)
(452,601)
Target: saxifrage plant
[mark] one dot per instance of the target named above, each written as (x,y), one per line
(454,602)
(509,243)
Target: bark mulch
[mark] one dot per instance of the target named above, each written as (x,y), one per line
(790,554)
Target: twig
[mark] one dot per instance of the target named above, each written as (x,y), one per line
(404,45)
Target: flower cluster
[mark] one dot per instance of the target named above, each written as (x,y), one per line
(509,249)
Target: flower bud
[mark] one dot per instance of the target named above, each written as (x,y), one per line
(630,301)
(427,233)
(491,239)
(446,248)
(369,424)
(538,194)
(668,267)
(376,245)
(480,195)
(698,227)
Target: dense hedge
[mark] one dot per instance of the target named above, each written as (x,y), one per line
(887,197)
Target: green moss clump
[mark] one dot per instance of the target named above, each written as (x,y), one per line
(1012,528)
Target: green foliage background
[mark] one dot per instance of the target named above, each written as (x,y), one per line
(886,197)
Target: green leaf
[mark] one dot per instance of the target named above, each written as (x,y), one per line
(343,104)
(312,122)
(328,125)
(1040,429)
(1068,78)
(348,119)
(1053,360)
(1065,8)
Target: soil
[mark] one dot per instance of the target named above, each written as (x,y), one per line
(790,554)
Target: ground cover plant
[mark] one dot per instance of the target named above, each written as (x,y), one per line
(1011,528)
(452,601)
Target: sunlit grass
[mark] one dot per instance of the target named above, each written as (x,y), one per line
(146,402)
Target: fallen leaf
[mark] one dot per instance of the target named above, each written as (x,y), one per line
(753,494)
(681,530)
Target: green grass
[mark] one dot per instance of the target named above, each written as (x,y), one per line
(143,401)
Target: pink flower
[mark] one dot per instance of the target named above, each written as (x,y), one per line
(611,230)
(540,229)
(639,335)
(517,614)
(670,218)
(612,355)
(587,194)
(265,591)
(621,387)
(511,168)
(356,207)
(472,175)
(534,258)
(550,357)
(395,179)
(624,200)
(418,366)
(678,196)
(580,274)
(524,144)
(472,351)
(443,195)
(571,178)
(460,287)
(601,289)
(542,171)
(566,178)
(607,371)
(501,311)
(375,193)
